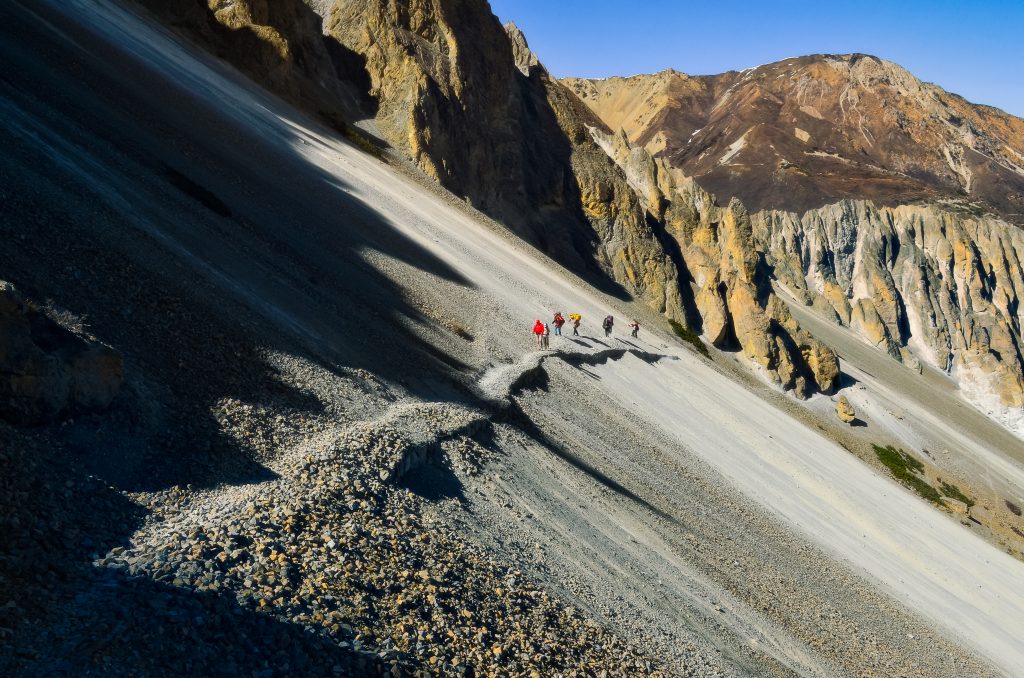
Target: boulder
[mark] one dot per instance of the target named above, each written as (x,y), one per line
(823,363)
(47,371)
(845,411)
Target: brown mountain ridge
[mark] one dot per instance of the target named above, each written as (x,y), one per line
(805,132)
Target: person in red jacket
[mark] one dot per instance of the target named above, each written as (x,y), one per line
(558,322)
(538,333)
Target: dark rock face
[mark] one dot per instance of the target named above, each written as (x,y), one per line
(471,105)
(464,98)
(47,371)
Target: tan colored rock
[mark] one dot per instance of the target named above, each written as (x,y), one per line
(845,411)
(471,105)
(524,57)
(865,319)
(925,284)
(734,297)
(467,101)
(824,365)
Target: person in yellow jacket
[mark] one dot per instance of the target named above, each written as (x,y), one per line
(575,318)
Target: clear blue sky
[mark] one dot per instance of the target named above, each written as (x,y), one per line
(975,49)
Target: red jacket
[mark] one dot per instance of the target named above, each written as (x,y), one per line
(559,320)
(538,327)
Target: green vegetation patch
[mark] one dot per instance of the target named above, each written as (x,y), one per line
(690,338)
(903,467)
(353,134)
(363,143)
(953,492)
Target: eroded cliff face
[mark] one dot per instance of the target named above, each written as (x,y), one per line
(733,301)
(870,188)
(279,44)
(920,282)
(467,100)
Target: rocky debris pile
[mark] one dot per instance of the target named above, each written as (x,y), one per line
(845,411)
(330,566)
(46,370)
(52,517)
(332,547)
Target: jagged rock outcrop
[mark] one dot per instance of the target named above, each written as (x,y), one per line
(279,44)
(845,411)
(45,370)
(827,148)
(922,283)
(734,299)
(470,103)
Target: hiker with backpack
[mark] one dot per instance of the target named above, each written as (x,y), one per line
(544,337)
(538,333)
(558,322)
(609,322)
(635,327)
(575,318)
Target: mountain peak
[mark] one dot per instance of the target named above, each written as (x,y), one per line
(524,57)
(806,131)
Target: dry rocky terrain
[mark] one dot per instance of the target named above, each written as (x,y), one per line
(269,404)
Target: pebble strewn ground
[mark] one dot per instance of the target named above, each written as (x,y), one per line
(328,553)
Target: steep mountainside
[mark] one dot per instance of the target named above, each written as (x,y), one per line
(805,132)
(269,404)
(466,101)
(820,145)
(471,106)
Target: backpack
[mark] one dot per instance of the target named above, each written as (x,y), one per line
(609,321)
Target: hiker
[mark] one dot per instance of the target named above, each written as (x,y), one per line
(575,318)
(609,322)
(558,322)
(538,333)
(635,326)
(544,337)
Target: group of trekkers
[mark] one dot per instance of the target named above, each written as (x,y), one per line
(542,330)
